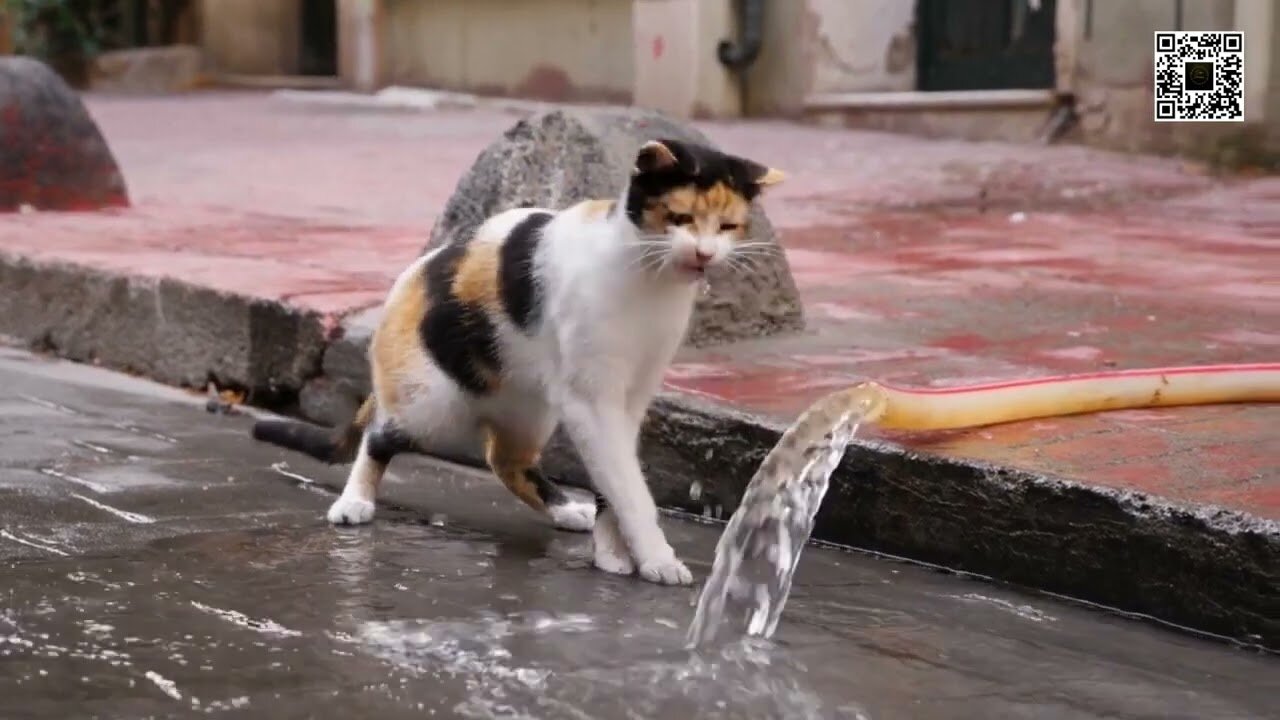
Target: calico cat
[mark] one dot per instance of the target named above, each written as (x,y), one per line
(542,318)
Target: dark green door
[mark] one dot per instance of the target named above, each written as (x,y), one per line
(985,44)
(318,46)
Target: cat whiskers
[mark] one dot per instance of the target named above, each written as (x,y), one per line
(648,259)
(656,262)
(748,257)
(653,253)
(758,245)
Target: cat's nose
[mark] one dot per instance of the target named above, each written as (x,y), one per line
(703,258)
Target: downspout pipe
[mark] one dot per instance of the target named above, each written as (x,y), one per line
(740,55)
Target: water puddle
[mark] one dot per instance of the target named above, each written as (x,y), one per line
(129,517)
(482,655)
(75,479)
(50,405)
(167,686)
(473,650)
(144,432)
(282,468)
(94,447)
(36,543)
(1023,611)
(266,627)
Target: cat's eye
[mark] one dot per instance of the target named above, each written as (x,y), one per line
(679,219)
(729,227)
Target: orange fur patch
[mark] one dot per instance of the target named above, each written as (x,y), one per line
(476,279)
(710,208)
(475,282)
(396,346)
(511,461)
(364,415)
(596,209)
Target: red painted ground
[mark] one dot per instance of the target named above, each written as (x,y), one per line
(921,262)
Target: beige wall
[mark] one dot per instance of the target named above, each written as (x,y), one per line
(676,68)
(251,37)
(546,49)
(1261,63)
(832,46)
(1113,78)
(1117,49)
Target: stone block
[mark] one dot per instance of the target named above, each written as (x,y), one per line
(52,156)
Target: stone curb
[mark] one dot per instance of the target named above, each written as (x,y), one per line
(165,329)
(1205,568)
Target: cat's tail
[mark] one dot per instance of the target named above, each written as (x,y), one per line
(329,445)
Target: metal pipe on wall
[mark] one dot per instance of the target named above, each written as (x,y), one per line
(739,56)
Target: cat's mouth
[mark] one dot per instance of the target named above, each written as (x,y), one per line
(694,265)
(691,268)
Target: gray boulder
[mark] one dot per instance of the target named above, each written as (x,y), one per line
(52,156)
(554,159)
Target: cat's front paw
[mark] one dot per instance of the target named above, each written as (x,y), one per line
(351,511)
(613,560)
(611,554)
(668,571)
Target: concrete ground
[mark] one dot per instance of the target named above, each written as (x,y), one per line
(920,262)
(157,563)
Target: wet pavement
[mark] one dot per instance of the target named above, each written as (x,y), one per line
(154,562)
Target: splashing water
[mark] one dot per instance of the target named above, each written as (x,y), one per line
(757,554)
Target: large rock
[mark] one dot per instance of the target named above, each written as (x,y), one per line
(52,156)
(554,159)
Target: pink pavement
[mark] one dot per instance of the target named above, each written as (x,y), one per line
(920,262)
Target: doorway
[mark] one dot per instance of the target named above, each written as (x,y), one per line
(985,44)
(318,39)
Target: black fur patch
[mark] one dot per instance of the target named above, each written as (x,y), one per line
(696,165)
(521,295)
(318,442)
(460,337)
(386,442)
(548,491)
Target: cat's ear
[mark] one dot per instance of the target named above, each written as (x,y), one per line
(657,155)
(769,176)
(762,176)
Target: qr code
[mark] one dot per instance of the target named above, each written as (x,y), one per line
(1199,76)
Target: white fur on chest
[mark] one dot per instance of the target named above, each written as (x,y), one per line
(607,322)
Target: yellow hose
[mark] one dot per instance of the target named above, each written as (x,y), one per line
(977,405)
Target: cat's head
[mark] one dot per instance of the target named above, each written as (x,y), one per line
(690,203)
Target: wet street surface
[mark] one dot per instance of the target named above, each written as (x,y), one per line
(155,562)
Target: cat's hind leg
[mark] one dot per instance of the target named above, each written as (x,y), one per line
(513,457)
(381,442)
